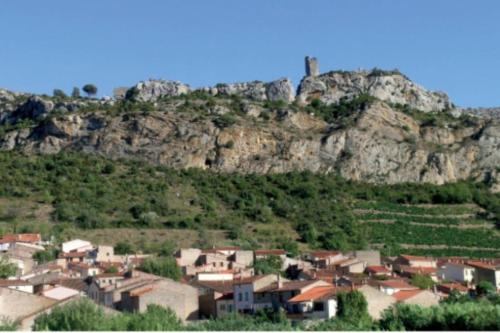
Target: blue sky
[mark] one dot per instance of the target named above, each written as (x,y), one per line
(447,45)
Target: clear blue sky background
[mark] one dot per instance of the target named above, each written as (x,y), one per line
(449,45)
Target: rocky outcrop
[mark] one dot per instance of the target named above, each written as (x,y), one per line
(152,90)
(281,89)
(384,145)
(485,113)
(388,86)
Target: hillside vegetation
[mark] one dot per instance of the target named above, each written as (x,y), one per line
(79,194)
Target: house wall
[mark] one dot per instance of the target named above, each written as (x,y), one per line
(207,305)
(418,263)
(180,298)
(105,253)
(371,258)
(456,273)
(243,297)
(188,257)
(224,307)
(377,301)
(424,299)
(489,275)
(244,258)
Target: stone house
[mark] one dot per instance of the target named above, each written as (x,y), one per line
(23,307)
(377,271)
(180,298)
(377,301)
(215,298)
(323,259)
(350,266)
(423,298)
(413,261)
(390,287)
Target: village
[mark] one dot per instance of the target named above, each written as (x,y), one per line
(222,280)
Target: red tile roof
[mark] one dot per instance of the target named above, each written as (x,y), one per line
(269,252)
(480,264)
(223,287)
(396,284)
(73,255)
(448,287)
(315,293)
(324,254)
(406,294)
(377,269)
(141,291)
(23,238)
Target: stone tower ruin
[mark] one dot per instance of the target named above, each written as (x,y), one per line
(312,68)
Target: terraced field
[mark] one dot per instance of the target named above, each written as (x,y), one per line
(429,229)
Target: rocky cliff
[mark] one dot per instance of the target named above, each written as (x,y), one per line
(404,134)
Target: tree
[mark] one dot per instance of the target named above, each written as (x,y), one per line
(270,265)
(156,318)
(485,288)
(6,324)
(90,89)
(162,266)
(7,269)
(124,248)
(80,315)
(352,305)
(76,92)
(45,255)
(58,93)
(422,281)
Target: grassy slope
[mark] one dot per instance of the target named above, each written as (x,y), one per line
(74,194)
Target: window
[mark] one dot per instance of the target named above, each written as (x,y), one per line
(230,308)
(240,297)
(319,306)
(223,307)
(246,296)
(221,264)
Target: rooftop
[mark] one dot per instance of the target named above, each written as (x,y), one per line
(324,254)
(314,294)
(406,294)
(23,238)
(396,284)
(377,269)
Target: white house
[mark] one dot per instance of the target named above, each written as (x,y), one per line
(76,245)
(315,303)
(456,272)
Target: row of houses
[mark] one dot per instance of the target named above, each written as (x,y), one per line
(222,280)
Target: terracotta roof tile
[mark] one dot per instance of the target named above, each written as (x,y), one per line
(406,294)
(377,269)
(397,284)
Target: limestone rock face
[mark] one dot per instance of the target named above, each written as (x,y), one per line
(383,146)
(281,89)
(34,107)
(391,87)
(152,90)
